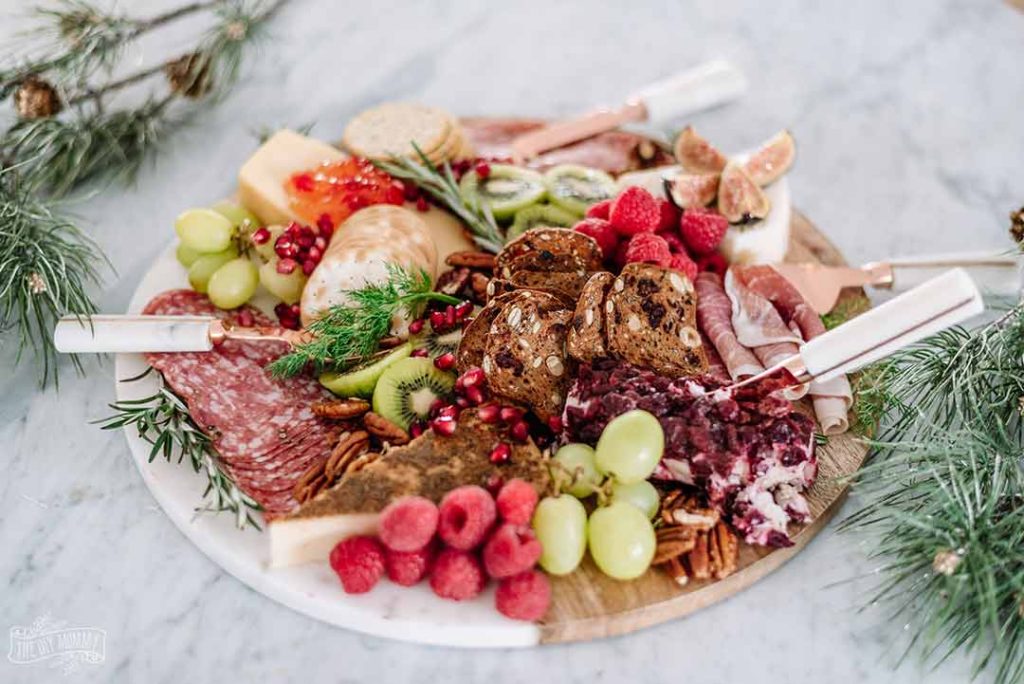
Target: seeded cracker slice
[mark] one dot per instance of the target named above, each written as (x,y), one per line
(524,356)
(474,335)
(650,320)
(586,338)
(567,286)
(549,249)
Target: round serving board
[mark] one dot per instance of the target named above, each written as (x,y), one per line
(586,605)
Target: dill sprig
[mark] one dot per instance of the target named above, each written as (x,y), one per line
(945,493)
(46,267)
(163,421)
(442,186)
(352,331)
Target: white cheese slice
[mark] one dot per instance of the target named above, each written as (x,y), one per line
(262,177)
(448,232)
(294,541)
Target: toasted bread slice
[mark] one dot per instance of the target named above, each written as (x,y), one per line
(430,466)
(549,250)
(586,338)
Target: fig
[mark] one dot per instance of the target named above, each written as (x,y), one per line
(688,190)
(740,199)
(772,160)
(696,154)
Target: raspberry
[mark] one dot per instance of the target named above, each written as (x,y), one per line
(602,231)
(516,502)
(702,229)
(599,210)
(648,248)
(358,562)
(512,549)
(408,523)
(524,597)
(713,262)
(669,215)
(457,575)
(681,262)
(634,211)
(407,568)
(675,243)
(467,514)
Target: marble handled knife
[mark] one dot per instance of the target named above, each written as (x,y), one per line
(704,86)
(126,334)
(929,308)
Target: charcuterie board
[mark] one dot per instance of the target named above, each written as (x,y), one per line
(585,605)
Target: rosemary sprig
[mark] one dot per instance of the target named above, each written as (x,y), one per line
(46,268)
(162,419)
(352,331)
(442,186)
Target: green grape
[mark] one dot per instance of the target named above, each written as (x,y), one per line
(560,523)
(630,446)
(240,217)
(202,268)
(204,230)
(287,288)
(641,494)
(185,255)
(233,284)
(578,459)
(266,250)
(621,540)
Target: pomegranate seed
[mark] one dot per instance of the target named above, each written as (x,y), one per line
(308,266)
(511,414)
(305,241)
(281,246)
(419,352)
(282,309)
(520,431)
(463,309)
(415,430)
(320,243)
(324,223)
(474,395)
(260,236)
(416,326)
(483,169)
(303,182)
(437,320)
(555,423)
(286,266)
(292,230)
(472,377)
(436,406)
(422,204)
(315,254)
(245,318)
(462,402)
(494,484)
(449,411)
(443,426)
(410,191)
(501,453)
(449,316)
(306,231)
(445,361)
(488,413)
(296,310)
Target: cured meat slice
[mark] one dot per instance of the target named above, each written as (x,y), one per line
(714,316)
(832,400)
(263,429)
(716,367)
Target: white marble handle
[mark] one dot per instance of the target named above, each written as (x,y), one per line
(125,334)
(929,308)
(704,86)
(996,273)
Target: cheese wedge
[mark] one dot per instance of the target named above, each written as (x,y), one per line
(262,177)
(429,466)
(448,232)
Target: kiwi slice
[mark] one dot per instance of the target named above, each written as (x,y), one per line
(361,380)
(540,215)
(507,189)
(574,187)
(408,388)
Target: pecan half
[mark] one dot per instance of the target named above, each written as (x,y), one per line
(724,548)
(382,428)
(672,542)
(478,283)
(452,282)
(303,490)
(349,447)
(695,539)
(698,561)
(340,409)
(468,259)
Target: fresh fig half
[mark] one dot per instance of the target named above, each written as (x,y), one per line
(688,190)
(696,154)
(740,199)
(772,160)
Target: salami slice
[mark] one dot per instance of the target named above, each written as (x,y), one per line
(263,429)
(714,316)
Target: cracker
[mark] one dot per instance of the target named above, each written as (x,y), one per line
(388,130)
(586,338)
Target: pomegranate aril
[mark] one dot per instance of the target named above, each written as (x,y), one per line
(416,326)
(286,266)
(555,423)
(422,204)
(410,192)
(292,231)
(511,414)
(443,426)
(449,316)
(494,484)
(462,402)
(320,243)
(303,182)
(463,310)
(448,411)
(501,453)
(520,431)
(419,352)
(472,377)
(325,224)
(308,266)
(475,395)
(415,430)
(489,413)
(483,170)
(314,253)
(260,236)
(445,361)
(305,241)
(437,320)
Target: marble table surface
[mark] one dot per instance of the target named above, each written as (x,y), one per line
(911,138)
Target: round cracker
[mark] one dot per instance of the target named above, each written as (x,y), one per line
(388,130)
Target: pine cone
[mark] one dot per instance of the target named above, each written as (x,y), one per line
(36,99)
(1017,226)
(190,75)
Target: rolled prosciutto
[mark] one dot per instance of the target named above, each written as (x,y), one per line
(714,318)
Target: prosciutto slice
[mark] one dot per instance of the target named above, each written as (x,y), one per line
(832,399)
(714,317)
